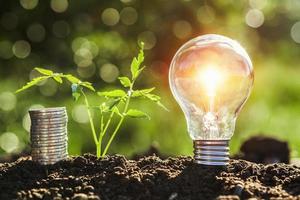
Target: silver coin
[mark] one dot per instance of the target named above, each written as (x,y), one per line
(49,135)
(43,117)
(49,157)
(47,109)
(54,113)
(48,152)
(64,119)
(48,132)
(56,149)
(48,126)
(45,143)
(46,161)
(48,117)
(36,123)
(50,142)
(45,132)
(48,129)
(49,146)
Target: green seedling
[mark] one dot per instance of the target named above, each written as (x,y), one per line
(115,104)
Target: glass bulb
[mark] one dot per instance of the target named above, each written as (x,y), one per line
(211,77)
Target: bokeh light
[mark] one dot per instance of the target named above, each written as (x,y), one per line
(86,72)
(59,6)
(61,29)
(110,16)
(49,88)
(258,4)
(109,72)
(149,39)
(205,14)
(254,18)
(6,49)
(128,16)
(29,4)
(80,114)
(295,32)
(26,122)
(36,32)
(83,23)
(8,101)
(182,29)
(83,57)
(9,142)
(21,49)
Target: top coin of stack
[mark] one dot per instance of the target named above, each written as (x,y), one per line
(48,134)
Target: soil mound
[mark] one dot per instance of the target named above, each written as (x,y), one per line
(116,178)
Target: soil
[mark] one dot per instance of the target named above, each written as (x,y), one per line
(266,150)
(176,178)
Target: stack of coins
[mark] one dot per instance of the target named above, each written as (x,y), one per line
(49,135)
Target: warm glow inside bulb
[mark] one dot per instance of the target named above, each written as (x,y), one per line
(210,79)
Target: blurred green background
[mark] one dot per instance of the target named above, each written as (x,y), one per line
(96,41)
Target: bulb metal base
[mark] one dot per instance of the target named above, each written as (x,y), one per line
(211,152)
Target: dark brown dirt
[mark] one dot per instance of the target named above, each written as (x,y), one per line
(266,150)
(116,178)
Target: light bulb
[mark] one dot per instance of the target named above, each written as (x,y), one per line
(211,77)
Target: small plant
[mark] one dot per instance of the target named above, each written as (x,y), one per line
(114,104)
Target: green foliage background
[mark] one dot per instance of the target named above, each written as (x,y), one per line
(112,38)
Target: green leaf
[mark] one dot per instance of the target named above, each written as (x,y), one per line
(33,82)
(104,107)
(162,106)
(72,79)
(137,114)
(152,97)
(125,81)
(76,95)
(112,94)
(135,64)
(112,102)
(140,71)
(115,109)
(139,93)
(57,79)
(87,85)
(44,71)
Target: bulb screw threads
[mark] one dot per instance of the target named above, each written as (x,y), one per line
(211,152)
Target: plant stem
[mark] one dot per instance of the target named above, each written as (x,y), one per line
(120,122)
(106,126)
(92,124)
(103,131)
